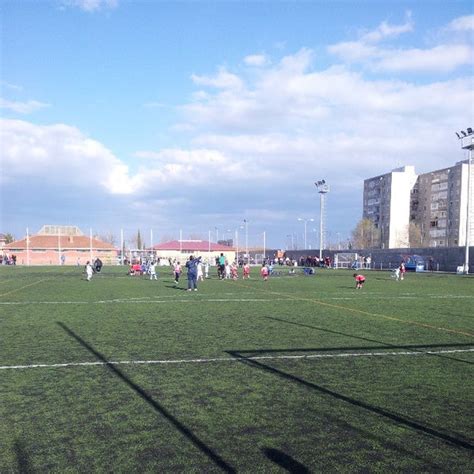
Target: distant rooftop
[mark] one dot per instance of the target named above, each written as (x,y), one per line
(71,230)
(193,246)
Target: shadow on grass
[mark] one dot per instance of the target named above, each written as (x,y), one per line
(285,461)
(22,459)
(400,420)
(174,287)
(381,345)
(153,403)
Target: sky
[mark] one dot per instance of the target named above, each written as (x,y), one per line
(195,116)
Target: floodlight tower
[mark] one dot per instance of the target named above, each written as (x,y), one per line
(323,189)
(467,143)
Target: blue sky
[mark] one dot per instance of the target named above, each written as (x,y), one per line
(198,115)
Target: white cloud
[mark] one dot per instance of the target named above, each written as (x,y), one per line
(60,154)
(22,107)
(170,168)
(298,62)
(91,5)
(13,87)
(463,23)
(441,58)
(154,105)
(353,51)
(223,80)
(256,60)
(386,30)
(292,119)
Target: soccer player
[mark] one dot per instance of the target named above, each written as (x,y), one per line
(402,270)
(233,271)
(221,266)
(360,280)
(152,271)
(264,272)
(177,272)
(89,270)
(191,265)
(200,274)
(246,269)
(227,270)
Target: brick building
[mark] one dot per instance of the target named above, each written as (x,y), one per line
(60,245)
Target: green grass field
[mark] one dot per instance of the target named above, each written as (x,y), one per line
(299,374)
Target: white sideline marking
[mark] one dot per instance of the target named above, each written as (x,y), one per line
(400,297)
(140,301)
(201,298)
(238,359)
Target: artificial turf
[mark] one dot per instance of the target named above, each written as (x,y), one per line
(294,374)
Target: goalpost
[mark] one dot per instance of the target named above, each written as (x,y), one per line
(345,259)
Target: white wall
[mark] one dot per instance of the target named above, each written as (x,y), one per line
(402,184)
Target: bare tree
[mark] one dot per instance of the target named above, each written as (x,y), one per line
(108,237)
(365,235)
(9,238)
(414,235)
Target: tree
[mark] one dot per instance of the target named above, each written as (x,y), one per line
(414,235)
(108,237)
(9,238)
(136,242)
(365,235)
(139,240)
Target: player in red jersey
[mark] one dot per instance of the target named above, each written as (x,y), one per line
(360,280)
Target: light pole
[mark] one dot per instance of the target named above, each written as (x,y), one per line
(237,244)
(323,189)
(305,223)
(246,223)
(467,143)
(315,238)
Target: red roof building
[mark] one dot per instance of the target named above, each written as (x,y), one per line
(60,245)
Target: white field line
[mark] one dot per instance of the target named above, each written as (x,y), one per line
(238,359)
(401,297)
(198,298)
(140,301)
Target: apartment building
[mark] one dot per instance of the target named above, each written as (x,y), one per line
(387,204)
(434,202)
